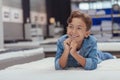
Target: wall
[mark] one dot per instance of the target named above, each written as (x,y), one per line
(1,26)
(38,9)
(60,10)
(13,30)
(38,5)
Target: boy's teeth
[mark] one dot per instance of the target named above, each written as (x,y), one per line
(74,36)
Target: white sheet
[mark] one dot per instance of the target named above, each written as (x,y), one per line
(21,53)
(103,46)
(19,45)
(22,56)
(44,70)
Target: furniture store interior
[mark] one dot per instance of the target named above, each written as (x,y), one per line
(38,37)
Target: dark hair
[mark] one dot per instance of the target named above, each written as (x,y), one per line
(86,18)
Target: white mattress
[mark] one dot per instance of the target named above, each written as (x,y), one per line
(109,46)
(44,70)
(21,53)
(19,45)
(103,46)
(46,44)
(10,58)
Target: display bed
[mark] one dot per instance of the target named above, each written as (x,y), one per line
(11,57)
(44,70)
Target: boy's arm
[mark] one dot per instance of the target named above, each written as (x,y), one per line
(88,63)
(62,54)
(64,58)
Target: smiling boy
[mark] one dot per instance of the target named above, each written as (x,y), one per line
(78,48)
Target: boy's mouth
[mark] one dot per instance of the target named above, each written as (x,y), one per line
(74,36)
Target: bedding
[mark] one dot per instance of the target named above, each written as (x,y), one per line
(12,57)
(22,45)
(103,46)
(44,70)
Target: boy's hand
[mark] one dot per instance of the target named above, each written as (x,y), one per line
(67,43)
(73,46)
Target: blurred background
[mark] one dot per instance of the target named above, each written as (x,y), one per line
(44,21)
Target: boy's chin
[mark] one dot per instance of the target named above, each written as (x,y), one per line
(75,39)
(78,40)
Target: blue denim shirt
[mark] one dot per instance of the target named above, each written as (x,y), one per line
(88,50)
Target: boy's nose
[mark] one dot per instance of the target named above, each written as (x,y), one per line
(74,31)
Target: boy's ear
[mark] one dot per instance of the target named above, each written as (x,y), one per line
(87,33)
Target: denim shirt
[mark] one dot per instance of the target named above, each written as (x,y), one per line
(88,50)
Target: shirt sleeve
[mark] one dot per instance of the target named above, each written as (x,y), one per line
(91,60)
(58,55)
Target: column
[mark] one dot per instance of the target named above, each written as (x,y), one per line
(1,27)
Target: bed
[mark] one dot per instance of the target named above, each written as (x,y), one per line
(10,57)
(44,70)
(18,45)
(103,46)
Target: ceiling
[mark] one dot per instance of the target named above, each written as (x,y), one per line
(87,0)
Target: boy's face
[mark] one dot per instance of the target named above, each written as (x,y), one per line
(77,30)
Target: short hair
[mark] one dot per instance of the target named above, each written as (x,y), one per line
(85,17)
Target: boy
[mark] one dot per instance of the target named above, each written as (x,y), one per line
(78,48)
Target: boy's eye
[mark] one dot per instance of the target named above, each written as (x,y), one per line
(70,26)
(79,28)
